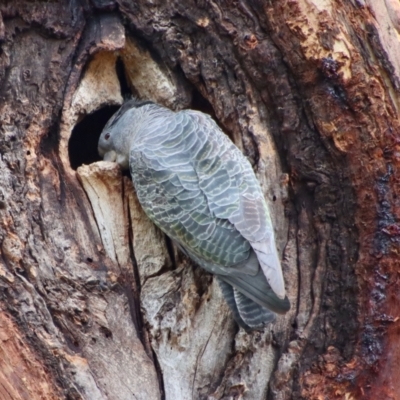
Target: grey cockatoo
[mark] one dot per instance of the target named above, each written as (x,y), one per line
(198,188)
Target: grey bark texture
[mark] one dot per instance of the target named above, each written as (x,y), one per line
(96,303)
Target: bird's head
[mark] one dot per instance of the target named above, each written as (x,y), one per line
(115,139)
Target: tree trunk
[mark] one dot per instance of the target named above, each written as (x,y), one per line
(96,303)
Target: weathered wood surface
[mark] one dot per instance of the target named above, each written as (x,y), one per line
(96,303)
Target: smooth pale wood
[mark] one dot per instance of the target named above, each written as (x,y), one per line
(309,90)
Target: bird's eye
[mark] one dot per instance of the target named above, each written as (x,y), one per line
(107,136)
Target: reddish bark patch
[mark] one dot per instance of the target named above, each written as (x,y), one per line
(22,374)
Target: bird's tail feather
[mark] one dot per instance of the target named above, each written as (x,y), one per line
(246,312)
(252,314)
(227,291)
(257,289)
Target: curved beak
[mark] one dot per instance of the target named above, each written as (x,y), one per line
(110,156)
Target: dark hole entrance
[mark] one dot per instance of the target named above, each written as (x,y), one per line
(82,145)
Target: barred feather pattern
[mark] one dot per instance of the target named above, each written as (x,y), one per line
(202,192)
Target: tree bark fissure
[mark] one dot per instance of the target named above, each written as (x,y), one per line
(95,302)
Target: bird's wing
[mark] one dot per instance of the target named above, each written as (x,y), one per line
(198,187)
(246,209)
(169,190)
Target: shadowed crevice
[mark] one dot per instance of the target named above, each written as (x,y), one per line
(82,146)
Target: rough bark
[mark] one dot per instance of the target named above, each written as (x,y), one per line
(95,303)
